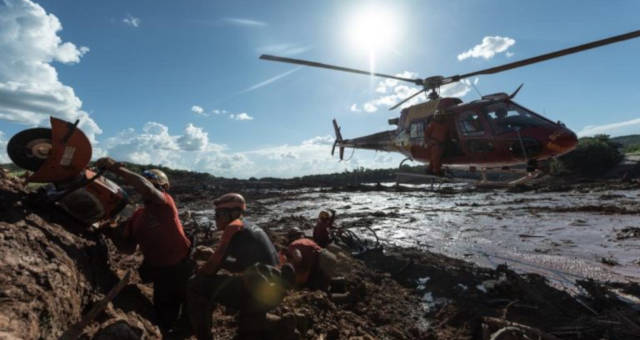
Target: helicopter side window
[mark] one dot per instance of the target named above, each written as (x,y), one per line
(417,130)
(471,125)
(509,117)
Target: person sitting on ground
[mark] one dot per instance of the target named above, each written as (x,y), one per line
(157,229)
(322,231)
(312,264)
(244,249)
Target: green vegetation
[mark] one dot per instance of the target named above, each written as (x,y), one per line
(592,157)
(626,141)
(632,148)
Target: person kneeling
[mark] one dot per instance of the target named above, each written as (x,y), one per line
(313,265)
(243,249)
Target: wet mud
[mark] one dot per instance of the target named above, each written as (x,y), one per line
(455,263)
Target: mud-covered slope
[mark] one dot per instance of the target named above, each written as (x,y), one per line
(51,270)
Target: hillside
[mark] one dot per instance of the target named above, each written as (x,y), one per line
(627,140)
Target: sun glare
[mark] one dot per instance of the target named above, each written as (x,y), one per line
(372,29)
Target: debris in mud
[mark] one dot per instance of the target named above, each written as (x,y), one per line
(579,223)
(609,261)
(628,232)
(603,209)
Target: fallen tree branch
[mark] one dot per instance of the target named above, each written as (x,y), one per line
(632,325)
(75,330)
(505,310)
(501,323)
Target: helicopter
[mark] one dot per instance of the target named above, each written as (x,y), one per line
(493,132)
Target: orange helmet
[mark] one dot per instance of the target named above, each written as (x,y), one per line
(294,234)
(157,177)
(230,201)
(324,215)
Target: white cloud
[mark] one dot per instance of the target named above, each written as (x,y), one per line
(387,84)
(458,89)
(240,116)
(319,140)
(244,22)
(4,157)
(489,47)
(614,129)
(192,150)
(197,110)
(369,107)
(155,144)
(29,87)
(392,92)
(194,138)
(284,49)
(313,156)
(131,20)
(217,111)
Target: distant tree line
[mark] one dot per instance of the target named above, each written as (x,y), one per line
(592,157)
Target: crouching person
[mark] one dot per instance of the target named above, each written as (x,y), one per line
(156,228)
(313,265)
(255,289)
(322,232)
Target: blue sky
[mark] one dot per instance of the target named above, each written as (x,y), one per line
(179,83)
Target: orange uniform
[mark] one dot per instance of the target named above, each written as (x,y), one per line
(157,229)
(437,131)
(321,233)
(309,251)
(436,134)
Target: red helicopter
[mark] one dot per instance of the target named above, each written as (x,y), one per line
(493,132)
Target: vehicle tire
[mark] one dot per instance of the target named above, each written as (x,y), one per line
(29,149)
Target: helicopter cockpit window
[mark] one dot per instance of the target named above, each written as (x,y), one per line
(510,117)
(417,130)
(471,125)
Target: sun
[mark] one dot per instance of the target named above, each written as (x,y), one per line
(372,29)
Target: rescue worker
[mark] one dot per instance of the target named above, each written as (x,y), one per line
(313,265)
(321,232)
(436,135)
(244,249)
(156,228)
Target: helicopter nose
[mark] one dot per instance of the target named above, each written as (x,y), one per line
(562,141)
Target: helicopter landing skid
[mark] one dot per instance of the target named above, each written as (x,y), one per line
(529,176)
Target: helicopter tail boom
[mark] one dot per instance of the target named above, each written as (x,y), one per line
(381,141)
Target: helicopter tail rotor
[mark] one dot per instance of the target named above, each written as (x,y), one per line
(338,140)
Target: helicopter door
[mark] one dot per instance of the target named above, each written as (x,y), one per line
(476,141)
(416,136)
(416,132)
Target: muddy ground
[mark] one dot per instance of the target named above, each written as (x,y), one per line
(53,270)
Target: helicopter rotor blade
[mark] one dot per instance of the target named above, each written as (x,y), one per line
(546,56)
(337,68)
(406,99)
